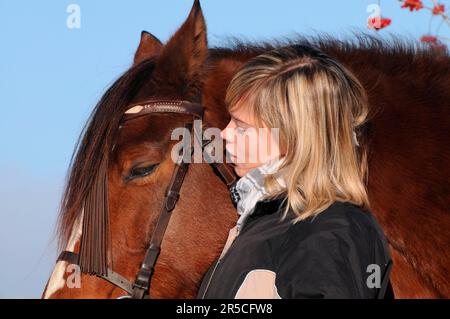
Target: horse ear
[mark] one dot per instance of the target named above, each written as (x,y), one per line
(186,51)
(148,47)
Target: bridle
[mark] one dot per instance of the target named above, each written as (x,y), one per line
(141,287)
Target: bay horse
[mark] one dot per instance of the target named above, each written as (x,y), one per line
(408,134)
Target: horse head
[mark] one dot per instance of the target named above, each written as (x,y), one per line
(120,172)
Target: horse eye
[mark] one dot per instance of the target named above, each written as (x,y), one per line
(141,171)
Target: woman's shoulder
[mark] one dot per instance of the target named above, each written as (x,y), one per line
(344,220)
(341,229)
(341,214)
(335,249)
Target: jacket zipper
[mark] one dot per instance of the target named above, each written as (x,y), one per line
(217,263)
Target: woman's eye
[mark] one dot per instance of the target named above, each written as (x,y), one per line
(141,171)
(240,130)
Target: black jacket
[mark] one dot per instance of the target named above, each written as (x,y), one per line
(340,253)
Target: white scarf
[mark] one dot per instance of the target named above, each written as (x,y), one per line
(250,188)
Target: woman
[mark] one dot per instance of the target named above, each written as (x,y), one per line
(305,229)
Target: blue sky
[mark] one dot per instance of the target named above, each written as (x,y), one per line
(52,76)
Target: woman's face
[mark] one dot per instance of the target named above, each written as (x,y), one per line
(247,145)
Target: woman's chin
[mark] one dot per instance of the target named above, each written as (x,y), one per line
(239,170)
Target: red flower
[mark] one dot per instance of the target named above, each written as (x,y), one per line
(412,4)
(429,39)
(378,23)
(385,22)
(438,9)
(434,42)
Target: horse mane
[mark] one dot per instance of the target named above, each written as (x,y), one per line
(393,46)
(395,53)
(94,145)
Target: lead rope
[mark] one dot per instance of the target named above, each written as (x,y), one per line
(385,282)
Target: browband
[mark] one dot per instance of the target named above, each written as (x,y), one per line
(163,106)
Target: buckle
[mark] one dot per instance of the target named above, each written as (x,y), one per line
(172,199)
(143,279)
(172,194)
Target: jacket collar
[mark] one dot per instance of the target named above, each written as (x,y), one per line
(249,189)
(270,206)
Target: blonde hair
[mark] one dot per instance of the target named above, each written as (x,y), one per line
(318,105)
